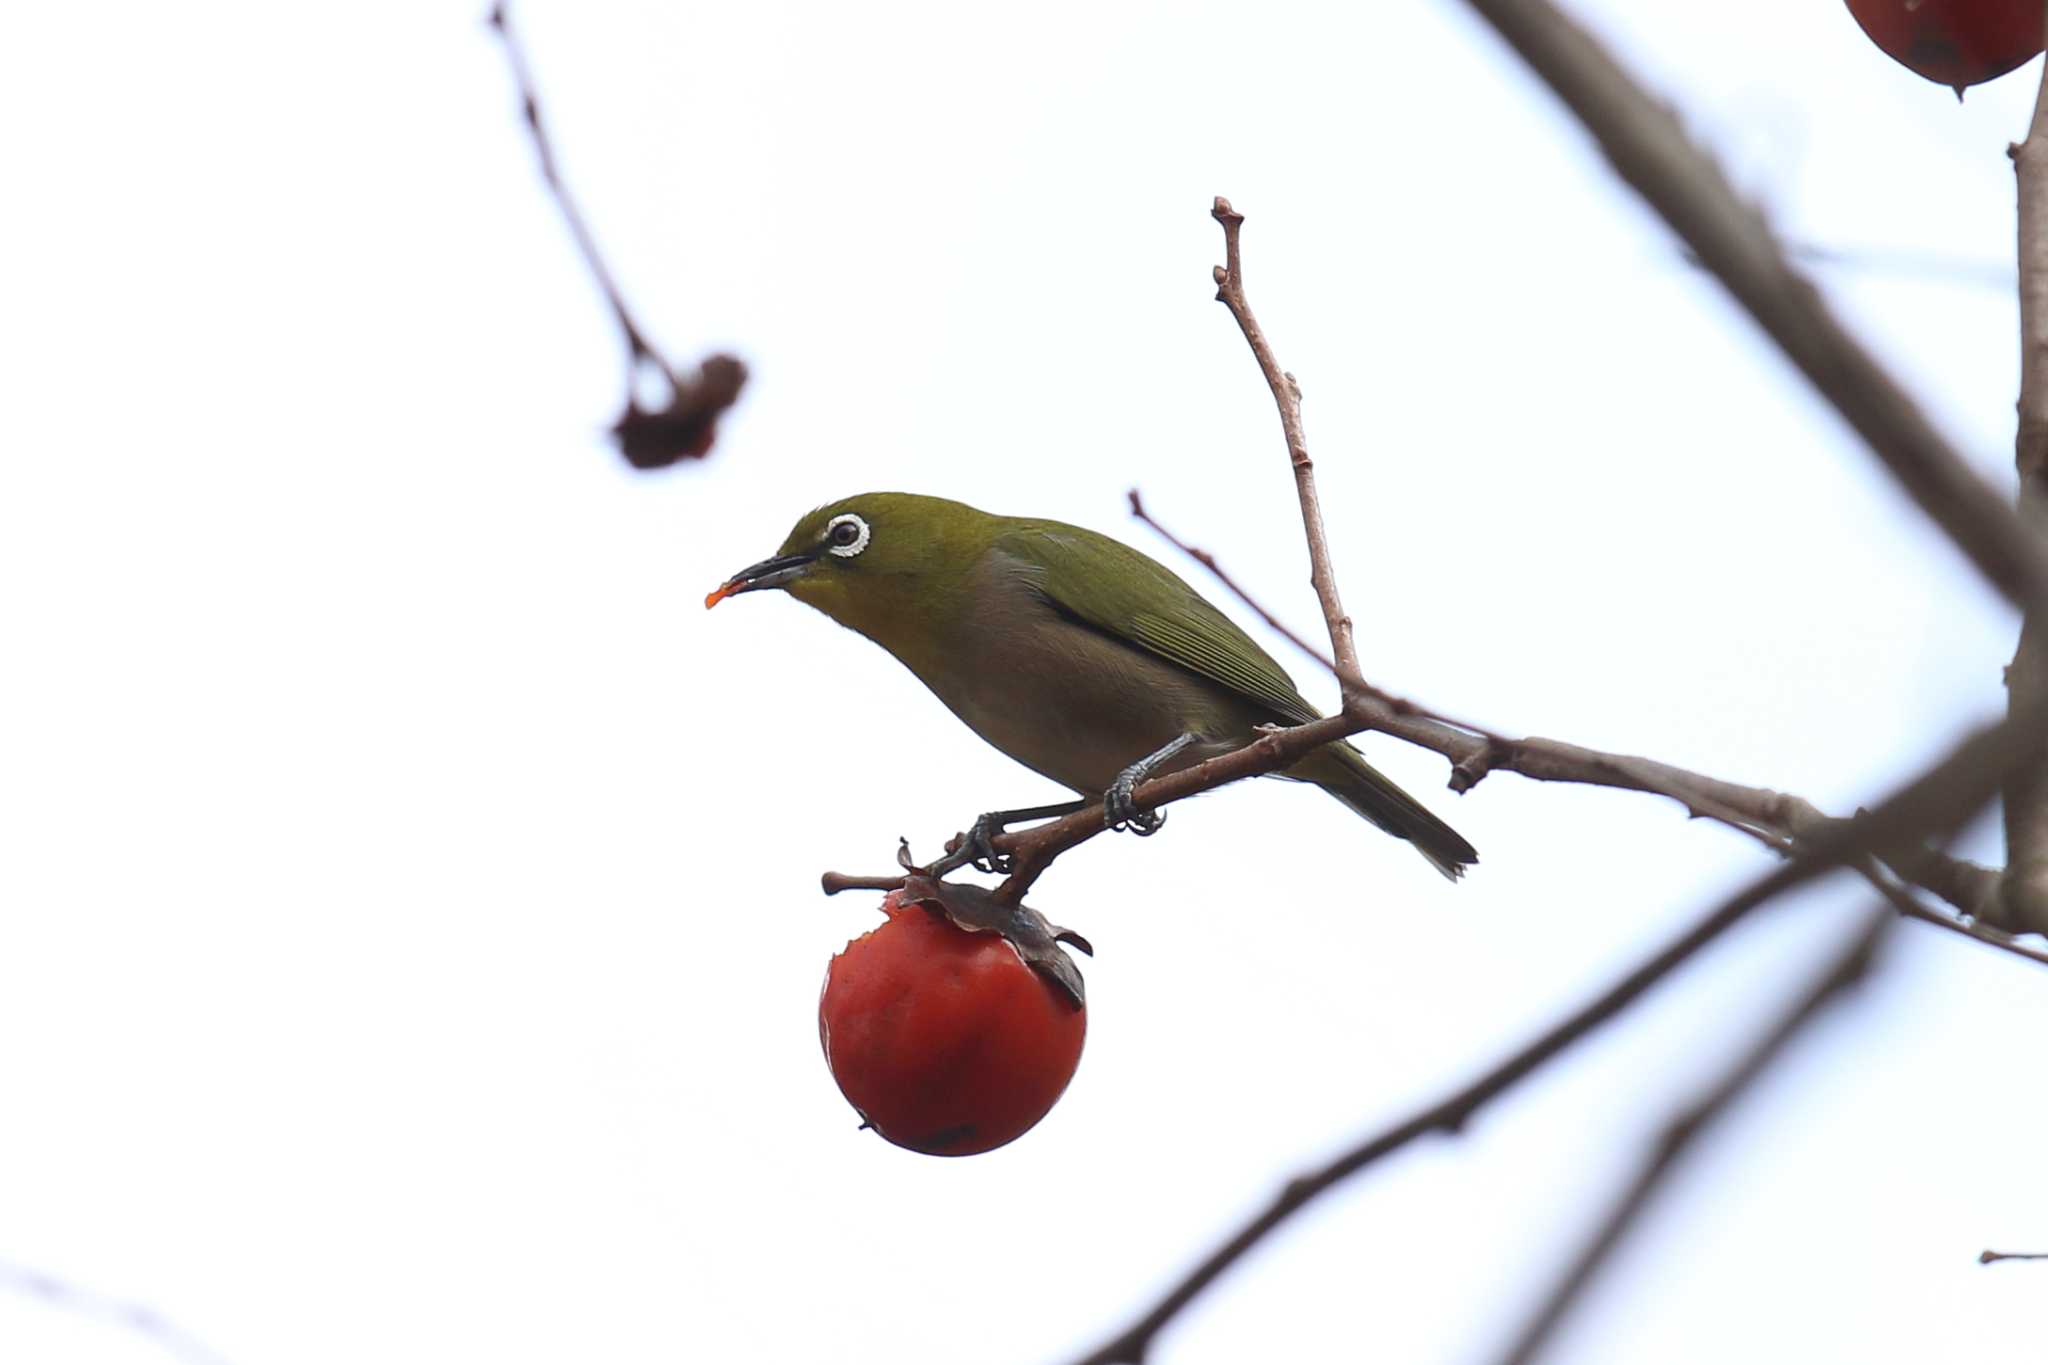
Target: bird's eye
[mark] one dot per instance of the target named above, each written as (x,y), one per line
(846,535)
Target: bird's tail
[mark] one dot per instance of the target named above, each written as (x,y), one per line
(1343,772)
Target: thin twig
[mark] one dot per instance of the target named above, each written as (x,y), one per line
(1993,1257)
(1961,783)
(1287,398)
(638,347)
(1988,935)
(684,423)
(1843,973)
(1208,561)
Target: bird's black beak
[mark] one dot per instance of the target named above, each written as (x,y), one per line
(769,573)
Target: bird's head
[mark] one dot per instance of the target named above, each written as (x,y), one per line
(882,563)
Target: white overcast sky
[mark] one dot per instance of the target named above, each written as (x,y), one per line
(412,935)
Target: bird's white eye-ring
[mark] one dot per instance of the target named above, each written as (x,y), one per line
(846,535)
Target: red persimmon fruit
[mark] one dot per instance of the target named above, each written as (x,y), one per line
(1955,42)
(944,1040)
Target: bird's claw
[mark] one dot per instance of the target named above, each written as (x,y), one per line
(1120,813)
(976,849)
(981,846)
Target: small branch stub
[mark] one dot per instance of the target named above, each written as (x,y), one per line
(2022,903)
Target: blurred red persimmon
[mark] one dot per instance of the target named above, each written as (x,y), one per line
(944,1040)
(1955,42)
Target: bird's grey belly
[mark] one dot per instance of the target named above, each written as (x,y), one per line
(1080,707)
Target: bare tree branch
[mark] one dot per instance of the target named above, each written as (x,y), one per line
(1976,931)
(1649,149)
(1033,850)
(1950,791)
(1993,1257)
(1287,397)
(1778,820)
(1843,973)
(1208,561)
(2024,895)
(685,422)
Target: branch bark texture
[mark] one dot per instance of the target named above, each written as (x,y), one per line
(2024,898)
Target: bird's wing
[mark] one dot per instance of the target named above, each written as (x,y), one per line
(1146,605)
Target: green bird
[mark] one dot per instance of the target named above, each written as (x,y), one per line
(1078,656)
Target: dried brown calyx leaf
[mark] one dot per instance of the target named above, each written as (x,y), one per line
(975,909)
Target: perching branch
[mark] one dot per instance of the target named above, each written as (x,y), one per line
(685,422)
(1778,820)
(1033,850)
(1953,789)
(1847,970)
(2024,894)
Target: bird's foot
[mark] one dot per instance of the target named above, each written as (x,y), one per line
(981,847)
(1119,811)
(977,848)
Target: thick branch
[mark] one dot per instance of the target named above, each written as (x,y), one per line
(1843,973)
(2024,895)
(685,423)
(1951,790)
(1650,150)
